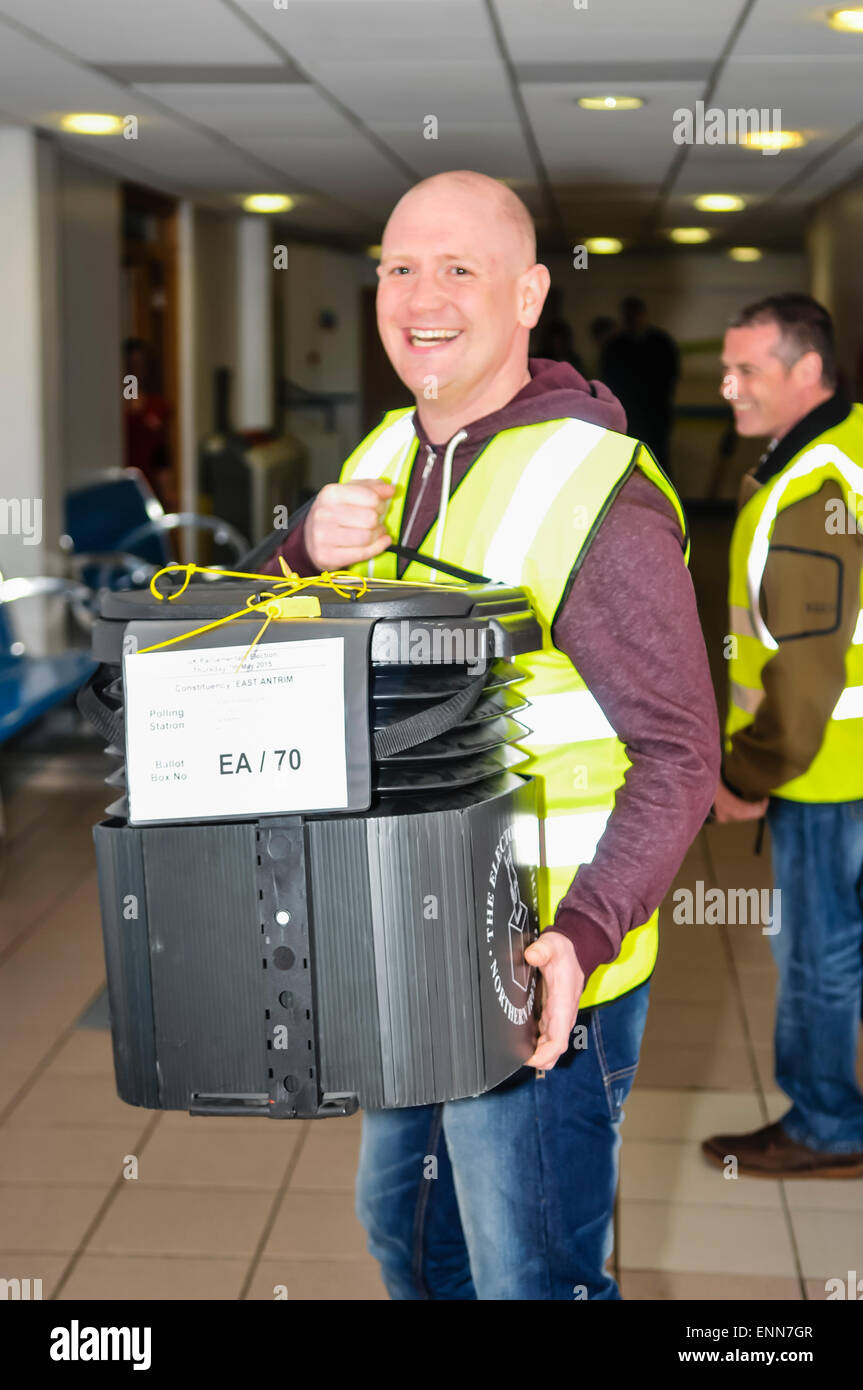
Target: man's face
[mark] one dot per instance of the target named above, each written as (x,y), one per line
(766,396)
(451,301)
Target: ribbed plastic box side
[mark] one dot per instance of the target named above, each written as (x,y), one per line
(123,903)
(422,926)
(346,986)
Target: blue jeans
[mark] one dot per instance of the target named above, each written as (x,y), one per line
(818,868)
(508,1195)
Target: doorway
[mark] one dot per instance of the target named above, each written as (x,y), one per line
(381,388)
(150,334)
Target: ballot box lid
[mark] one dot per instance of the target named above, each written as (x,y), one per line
(202,600)
(505,610)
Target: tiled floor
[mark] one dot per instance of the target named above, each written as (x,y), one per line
(100,1200)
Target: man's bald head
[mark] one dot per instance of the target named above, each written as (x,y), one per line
(495,205)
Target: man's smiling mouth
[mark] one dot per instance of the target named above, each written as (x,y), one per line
(431,337)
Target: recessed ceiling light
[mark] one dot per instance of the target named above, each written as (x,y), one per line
(689,236)
(848,21)
(745,253)
(268,202)
(773,140)
(610,103)
(91,123)
(603,245)
(719,202)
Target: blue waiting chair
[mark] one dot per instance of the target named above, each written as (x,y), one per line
(118,518)
(30,686)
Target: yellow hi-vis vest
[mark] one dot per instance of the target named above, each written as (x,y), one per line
(836,772)
(525,514)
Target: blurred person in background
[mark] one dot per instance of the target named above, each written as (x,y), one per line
(146,418)
(794,734)
(556,342)
(641,365)
(601,329)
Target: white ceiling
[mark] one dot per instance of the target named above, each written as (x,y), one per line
(326,100)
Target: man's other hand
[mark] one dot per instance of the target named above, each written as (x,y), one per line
(728,807)
(562,985)
(345,523)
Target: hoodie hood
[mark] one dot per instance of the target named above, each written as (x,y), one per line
(556,391)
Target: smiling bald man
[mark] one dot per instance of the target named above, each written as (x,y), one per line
(521,470)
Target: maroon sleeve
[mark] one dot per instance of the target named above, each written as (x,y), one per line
(294,553)
(630,626)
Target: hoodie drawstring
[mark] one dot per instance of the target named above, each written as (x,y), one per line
(446,482)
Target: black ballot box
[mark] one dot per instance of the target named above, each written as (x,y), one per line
(319,878)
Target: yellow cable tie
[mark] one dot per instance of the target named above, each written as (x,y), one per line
(261,631)
(271,604)
(182,637)
(280,606)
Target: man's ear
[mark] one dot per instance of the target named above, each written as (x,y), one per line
(533,287)
(809,369)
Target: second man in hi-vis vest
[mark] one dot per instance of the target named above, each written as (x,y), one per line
(522,471)
(794,733)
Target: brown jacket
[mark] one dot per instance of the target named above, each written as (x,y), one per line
(810,598)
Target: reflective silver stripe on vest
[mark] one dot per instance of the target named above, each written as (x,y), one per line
(850,703)
(572,716)
(527,839)
(572,839)
(744,697)
(546,473)
(381,454)
(857,639)
(813,459)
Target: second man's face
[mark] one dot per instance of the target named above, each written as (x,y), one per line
(761,390)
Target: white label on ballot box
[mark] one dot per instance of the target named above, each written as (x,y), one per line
(207,737)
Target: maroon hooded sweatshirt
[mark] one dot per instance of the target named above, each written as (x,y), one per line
(630,627)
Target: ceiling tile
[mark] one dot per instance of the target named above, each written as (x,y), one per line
(105,31)
(376,31)
(497,150)
(454,92)
(614,30)
(606,146)
(238,111)
(790,29)
(337,164)
(819,96)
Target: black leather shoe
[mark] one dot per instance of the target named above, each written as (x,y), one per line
(771,1153)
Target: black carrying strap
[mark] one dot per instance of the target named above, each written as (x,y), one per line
(397,738)
(267,547)
(429,723)
(109,722)
(406,553)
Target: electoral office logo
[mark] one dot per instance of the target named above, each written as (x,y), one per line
(508,931)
